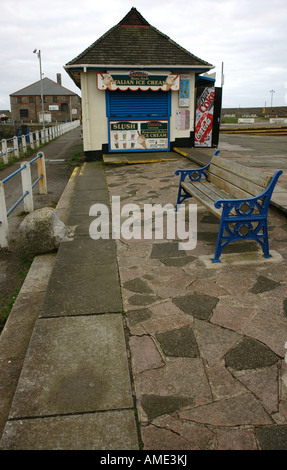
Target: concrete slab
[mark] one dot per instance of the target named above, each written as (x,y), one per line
(139,157)
(74,365)
(81,205)
(248,259)
(110,430)
(17,332)
(39,273)
(96,181)
(83,250)
(75,290)
(96,195)
(64,203)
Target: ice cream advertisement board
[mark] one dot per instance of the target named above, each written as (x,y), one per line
(138,135)
(138,80)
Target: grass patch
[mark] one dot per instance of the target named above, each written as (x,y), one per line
(77,159)
(229,120)
(18,271)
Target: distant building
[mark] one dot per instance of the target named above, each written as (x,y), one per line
(60,104)
(5,115)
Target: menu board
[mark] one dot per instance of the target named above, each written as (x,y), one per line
(182,119)
(138,135)
(184,91)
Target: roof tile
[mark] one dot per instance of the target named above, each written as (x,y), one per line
(134,41)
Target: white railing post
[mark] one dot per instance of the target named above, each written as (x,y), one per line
(37,138)
(41,166)
(24,143)
(5,152)
(16,146)
(4,229)
(27,187)
(43,136)
(31,139)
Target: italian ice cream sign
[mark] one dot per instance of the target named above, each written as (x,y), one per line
(139,135)
(138,80)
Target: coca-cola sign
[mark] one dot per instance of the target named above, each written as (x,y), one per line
(204,117)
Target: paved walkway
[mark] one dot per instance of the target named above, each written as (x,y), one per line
(138,344)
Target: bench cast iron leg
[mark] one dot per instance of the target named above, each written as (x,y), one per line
(182,195)
(260,235)
(219,248)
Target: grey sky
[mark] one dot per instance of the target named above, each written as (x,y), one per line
(248,36)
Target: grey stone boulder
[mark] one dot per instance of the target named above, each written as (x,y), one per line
(42,231)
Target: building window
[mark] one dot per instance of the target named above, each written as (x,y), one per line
(19,99)
(64,107)
(24,113)
(55,99)
(31,99)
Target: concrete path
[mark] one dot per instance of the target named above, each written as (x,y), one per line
(74,391)
(138,344)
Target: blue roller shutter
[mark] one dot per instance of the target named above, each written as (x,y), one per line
(138,104)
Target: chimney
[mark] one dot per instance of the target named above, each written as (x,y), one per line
(59,79)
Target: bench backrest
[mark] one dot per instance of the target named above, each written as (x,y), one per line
(237,180)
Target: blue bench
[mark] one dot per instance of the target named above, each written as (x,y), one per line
(239,196)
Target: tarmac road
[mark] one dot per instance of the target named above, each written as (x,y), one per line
(256,147)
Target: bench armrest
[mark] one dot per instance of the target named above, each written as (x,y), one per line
(193,174)
(196,173)
(248,207)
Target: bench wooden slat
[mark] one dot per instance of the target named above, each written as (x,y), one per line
(246,173)
(233,191)
(202,198)
(236,181)
(213,191)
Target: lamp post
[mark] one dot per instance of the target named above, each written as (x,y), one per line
(272,91)
(41,83)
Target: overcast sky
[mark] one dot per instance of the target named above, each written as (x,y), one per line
(248,36)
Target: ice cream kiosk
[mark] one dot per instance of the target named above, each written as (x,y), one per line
(138,90)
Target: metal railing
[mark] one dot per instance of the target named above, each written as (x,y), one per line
(27,196)
(13,146)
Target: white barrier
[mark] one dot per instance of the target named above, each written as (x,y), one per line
(278,120)
(12,147)
(27,196)
(246,121)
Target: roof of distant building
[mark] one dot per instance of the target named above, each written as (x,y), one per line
(49,88)
(133,42)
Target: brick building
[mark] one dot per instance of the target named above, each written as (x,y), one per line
(60,104)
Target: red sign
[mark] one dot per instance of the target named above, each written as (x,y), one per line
(204,117)
(203,128)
